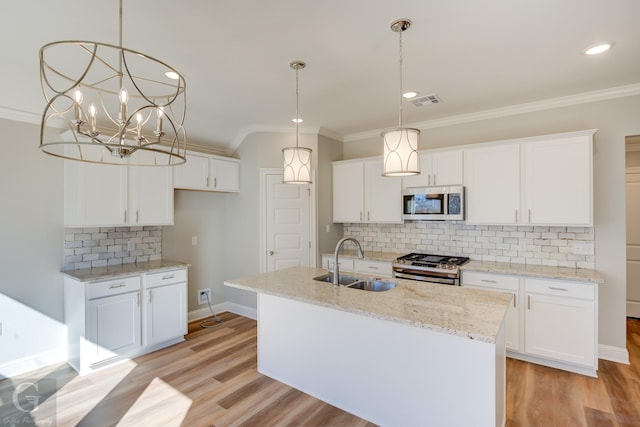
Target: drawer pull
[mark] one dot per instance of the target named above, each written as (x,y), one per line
(558,289)
(117,285)
(168,276)
(488,281)
(372,267)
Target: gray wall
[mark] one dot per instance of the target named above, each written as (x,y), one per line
(329,150)
(31,226)
(616,119)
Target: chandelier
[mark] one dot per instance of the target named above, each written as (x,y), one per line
(118,105)
(400,155)
(297,160)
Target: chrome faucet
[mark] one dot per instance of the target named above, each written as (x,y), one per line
(336,268)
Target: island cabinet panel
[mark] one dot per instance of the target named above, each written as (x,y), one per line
(437,168)
(386,372)
(362,195)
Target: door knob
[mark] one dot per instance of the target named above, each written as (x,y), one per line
(271,253)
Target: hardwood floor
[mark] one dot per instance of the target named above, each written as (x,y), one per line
(211,380)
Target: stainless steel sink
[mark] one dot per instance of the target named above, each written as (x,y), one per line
(354,282)
(344,279)
(372,285)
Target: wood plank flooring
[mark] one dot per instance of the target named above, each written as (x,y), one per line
(211,380)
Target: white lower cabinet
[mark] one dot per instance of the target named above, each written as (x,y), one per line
(108,321)
(551,322)
(560,321)
(500,282)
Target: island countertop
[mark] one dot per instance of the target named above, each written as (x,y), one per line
(471,313)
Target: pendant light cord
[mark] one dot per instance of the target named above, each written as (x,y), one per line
(400,103)
(297,115)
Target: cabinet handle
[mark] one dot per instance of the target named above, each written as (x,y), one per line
(360,215)
(215,182)
(137,216)
(488,281)
(434,179)
(515,297)
(125,215)
(168,276)
(516,215)
(429,179)
(117,285)
(528,302)
(558,289)
(150,298)
(207,181)
(138,298)
(368,215)
(372,267)
(529,215)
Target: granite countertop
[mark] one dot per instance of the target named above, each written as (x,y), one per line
(111,272)
(470,313)
(561,273)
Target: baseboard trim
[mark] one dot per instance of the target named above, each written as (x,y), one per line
(613,354)
(584,370)
(31,363)
(232,307)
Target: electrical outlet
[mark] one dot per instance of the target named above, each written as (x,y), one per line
(131,246)
(583,248)
(194,240)
(204,296)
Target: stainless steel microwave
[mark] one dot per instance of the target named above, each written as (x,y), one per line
(433,203)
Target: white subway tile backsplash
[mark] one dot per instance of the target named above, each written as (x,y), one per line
(536,245)
(104,246)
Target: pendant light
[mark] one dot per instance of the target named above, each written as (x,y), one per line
(297,160)
(401,144)
(119,105)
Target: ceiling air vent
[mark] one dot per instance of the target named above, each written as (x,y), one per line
(426,100)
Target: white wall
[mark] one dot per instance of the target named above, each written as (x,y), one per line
(616,119)
(31,247)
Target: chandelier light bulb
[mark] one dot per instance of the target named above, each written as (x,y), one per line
(77,96)
(124,96)
(92,118)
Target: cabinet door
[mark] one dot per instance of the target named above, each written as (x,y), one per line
(422,180)
(446,168)
(150,194)
(193,174)
(113,325)
(558,184)
(166,313)
(348,192)
(560,328)
(382,194)
(95,195)
(492,181)
(224,175)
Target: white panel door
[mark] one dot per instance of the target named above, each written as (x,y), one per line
(114,325)
(633,244)
(492,181)
(150,194)
(382,194)
(288,234)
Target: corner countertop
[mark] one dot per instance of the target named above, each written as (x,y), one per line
(95,274)
(560,273)
(470,313)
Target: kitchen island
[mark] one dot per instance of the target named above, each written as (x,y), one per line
(417,354)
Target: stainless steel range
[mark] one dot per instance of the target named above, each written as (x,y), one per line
(429,268)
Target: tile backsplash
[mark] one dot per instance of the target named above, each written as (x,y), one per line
(536,245)
(105,246)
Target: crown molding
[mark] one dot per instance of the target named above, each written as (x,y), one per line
(547,104)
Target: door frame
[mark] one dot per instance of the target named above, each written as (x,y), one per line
(262,227)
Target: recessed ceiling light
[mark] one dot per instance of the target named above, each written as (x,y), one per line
(172,75)
(297,120)
(409,94)
(597,48)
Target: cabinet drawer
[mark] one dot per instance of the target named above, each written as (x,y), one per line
(165,278)
(113,287)
(373,267)
(490,280)
(561,288)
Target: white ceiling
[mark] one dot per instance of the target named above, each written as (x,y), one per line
(235,54)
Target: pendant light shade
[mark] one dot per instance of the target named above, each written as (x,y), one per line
(400,151)
(297,160)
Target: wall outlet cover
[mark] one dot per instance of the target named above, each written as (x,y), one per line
(583,248)
(204,296)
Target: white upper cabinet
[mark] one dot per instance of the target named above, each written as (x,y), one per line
(362,194)
(208,173)
(546,180)
(492,184)
(559,181)
(437,168)
(109,195)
